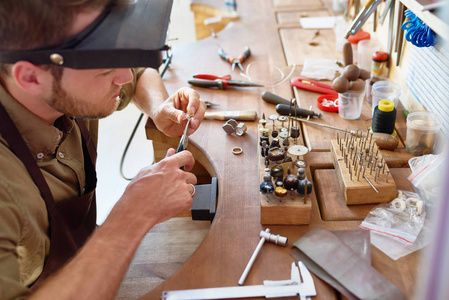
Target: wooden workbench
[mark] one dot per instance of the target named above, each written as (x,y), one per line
(270,28)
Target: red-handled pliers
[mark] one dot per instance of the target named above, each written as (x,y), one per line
(232,60)
(221,82)
(313,86)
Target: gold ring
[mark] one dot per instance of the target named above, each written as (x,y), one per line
(237,150)
(193,193)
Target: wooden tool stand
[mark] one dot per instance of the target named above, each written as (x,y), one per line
(291,209)
(363,175)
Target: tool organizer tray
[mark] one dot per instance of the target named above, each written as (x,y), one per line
(292,209)
(370,184)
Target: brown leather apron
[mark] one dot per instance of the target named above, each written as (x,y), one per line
(72,221)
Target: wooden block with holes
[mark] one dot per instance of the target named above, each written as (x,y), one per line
(356,188)
(292,209)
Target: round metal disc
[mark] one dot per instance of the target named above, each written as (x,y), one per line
(300,164)
(298,150)
(282,118)
(273,117)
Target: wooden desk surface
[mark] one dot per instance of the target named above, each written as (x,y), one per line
(234,233)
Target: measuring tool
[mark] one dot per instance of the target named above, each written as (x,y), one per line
(300,284)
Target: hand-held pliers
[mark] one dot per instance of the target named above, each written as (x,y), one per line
(232,60)
(184,138)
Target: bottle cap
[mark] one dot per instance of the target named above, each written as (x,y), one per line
(380,56)
(386,105)
(359,36)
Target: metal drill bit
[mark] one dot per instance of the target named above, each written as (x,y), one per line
(370,183)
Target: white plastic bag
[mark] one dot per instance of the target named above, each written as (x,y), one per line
(427,173)
(404,226)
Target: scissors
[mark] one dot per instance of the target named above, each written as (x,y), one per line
(184,138)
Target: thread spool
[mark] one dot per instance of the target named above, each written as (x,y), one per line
(384,117)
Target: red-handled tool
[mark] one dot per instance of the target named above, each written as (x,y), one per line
(221,82)
(235,61)
(212,77)
(312,85)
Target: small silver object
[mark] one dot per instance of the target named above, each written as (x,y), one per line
(240,129)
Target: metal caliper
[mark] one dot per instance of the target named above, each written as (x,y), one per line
(301,284)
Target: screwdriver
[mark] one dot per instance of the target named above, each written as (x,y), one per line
(284,106)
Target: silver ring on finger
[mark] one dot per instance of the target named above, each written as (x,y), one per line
(193,193)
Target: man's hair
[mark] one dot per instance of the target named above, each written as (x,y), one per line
(35,24)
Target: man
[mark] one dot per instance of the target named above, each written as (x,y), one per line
(49,246)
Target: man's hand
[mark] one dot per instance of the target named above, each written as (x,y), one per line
(170,116)
(160,191)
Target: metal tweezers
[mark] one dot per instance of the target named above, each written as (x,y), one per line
(184,138)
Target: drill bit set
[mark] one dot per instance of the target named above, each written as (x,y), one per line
(284,188)
(361,169)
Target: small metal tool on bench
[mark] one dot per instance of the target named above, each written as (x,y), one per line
(264,235)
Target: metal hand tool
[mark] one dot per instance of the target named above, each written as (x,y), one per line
(361,18)
(284,109)
(304,288)
(383,140)
(239,115)
(184,138)
(221,82)
(275,99)
(264,235)
(235,61)
(210,104)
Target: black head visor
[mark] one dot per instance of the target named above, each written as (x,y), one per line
(121,37)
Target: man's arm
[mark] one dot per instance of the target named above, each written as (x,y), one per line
(156,194)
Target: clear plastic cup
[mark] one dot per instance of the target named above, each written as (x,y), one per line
(366,48)
(350,104)
(385,89)
(422,131)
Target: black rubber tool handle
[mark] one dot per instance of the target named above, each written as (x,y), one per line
(284,106)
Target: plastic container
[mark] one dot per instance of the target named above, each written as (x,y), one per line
(422,131)
(355,39)
(385,89)
(365,49)
(350,104)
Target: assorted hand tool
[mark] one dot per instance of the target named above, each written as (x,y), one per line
(235,61)
(239,115)
(275,99)
(264,236)
(184,138)
(312,85)
(221,82)
(361,18)
(300,284)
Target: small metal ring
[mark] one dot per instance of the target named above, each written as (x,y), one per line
(237,150)
(194,191)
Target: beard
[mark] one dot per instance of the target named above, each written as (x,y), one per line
(63,102)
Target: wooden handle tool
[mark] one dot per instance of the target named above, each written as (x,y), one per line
(238,115)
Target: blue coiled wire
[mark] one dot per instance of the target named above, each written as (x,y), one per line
(417,32)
